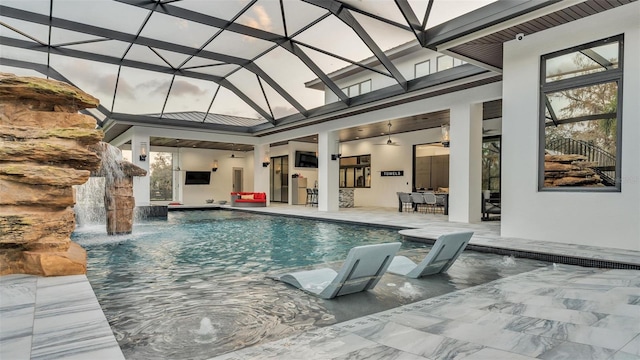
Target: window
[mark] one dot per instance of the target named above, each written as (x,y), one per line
(355,171)
(580,117)
(444,62)
(358,89)
(491,164)
(161,176)
(422,69)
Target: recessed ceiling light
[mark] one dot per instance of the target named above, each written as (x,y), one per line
(357,137)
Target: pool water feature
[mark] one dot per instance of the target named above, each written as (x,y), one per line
(194,286)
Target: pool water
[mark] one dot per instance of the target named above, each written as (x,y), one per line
(194,286)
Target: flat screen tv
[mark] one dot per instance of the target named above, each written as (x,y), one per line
(197,178)
(306,159)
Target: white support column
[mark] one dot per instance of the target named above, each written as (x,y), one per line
(261,173)
(328,186)
(141,184)
(465,163)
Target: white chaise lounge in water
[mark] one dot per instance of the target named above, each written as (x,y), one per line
(361,271)
(442,255)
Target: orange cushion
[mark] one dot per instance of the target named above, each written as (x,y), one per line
(246,197)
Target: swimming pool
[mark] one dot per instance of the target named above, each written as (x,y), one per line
(194,286)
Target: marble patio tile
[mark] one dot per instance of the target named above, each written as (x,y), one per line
(585,292)
(16,322)
(365,322)
(621,355)
(618,322)
(413,319)
(607,281)
(554,302)
(600,337)
(379,352)
(70,334)
(633,347)
(629,291)
(505,321)
(495,337)
(65,291)
(494,354)
(572,351)
(452,312)
(548,313)
(308,350)
(17,290)
(228,356)
(96,348)
(417,342)
(15,348)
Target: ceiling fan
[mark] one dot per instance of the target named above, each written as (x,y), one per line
(389,141)
(233,154)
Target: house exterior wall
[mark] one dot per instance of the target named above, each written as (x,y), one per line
(405,64)
(609,219)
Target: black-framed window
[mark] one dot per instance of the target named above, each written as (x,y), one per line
(355,171)
(580,117)
(491,155)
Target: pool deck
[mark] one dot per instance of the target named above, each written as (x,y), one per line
(559,312)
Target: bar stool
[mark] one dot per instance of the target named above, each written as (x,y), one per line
(309,197)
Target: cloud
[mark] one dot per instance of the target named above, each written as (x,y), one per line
(153,87)
(259,19)
(182,88)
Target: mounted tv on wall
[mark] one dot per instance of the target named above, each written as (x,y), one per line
(197,178)
(306,159)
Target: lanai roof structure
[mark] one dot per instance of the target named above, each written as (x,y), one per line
(255,67)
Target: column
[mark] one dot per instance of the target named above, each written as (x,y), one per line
(328,186)
(465,163)
(261,179)
(141,184)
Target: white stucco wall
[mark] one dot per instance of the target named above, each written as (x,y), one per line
(609,219)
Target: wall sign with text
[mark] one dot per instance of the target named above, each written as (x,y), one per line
(392,173)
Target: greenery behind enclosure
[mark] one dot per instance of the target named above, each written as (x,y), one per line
(161,169)
(491,164)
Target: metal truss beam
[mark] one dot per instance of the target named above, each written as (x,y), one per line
(347,17)
(134,64)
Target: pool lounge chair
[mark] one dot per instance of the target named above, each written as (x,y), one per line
(361,271)
(439,259)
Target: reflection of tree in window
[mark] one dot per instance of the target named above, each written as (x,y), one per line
(161,176)
(491,164)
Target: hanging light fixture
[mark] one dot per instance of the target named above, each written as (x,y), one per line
(445,135)
(143,151)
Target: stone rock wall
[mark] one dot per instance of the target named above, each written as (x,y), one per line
(569,170)
(44,151)
(119,201)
